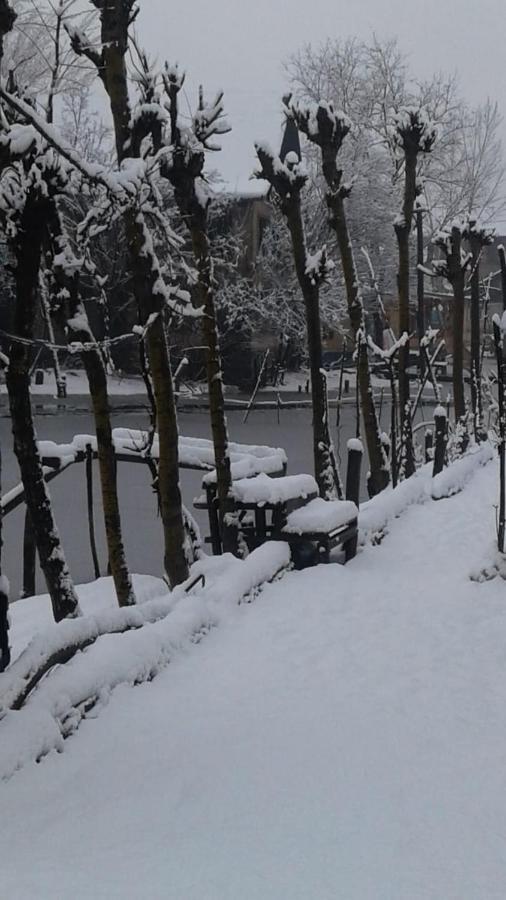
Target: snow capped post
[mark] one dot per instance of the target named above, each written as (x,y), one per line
(413,134)
(440,443)
(287,178)
(327,128)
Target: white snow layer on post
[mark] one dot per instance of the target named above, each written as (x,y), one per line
(172,623)
(320,516)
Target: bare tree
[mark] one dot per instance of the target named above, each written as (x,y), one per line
(453,267)
(288,179)
(116,18)
(414,135)
(184,169)
(327,128)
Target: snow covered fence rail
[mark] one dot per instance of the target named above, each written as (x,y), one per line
(123,646)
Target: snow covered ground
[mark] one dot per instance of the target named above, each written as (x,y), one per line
(341,738)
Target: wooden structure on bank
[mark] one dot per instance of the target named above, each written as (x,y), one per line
(270,504)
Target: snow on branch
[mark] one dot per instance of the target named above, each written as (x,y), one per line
(287,178)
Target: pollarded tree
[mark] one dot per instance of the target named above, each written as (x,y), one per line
(414,134)
(327,128)
(287,179)
(184,168)
(151,293)
(66,269)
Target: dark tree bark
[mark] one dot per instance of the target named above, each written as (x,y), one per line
(331,130)
(288,186)
(454,272)
(420,291)
(94,365)
(477,238)
(116,17)
(185,168)
(27,248)
(403,232)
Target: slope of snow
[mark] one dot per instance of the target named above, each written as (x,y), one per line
(341,738)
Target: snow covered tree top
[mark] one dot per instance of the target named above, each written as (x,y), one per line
(322,124)
(287,178)
(413,131)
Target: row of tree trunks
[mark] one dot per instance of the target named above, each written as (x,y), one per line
(115,18)
(403,232)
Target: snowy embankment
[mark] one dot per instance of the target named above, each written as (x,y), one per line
(342,738)
(122,646)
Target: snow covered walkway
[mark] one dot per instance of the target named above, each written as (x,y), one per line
(341,738)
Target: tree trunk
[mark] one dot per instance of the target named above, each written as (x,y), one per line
(145,276)
(476,394)
(97,379)
(458,347)
(228,521)
(326,472)
(420,292)
(403,231)
(5,651)
(378,478)
(27,249)
(115,20)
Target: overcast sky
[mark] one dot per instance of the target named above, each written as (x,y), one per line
(239,46)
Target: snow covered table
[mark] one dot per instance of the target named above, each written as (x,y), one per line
(325,523)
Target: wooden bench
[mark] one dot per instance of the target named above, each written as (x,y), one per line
(287,509)
(325,524)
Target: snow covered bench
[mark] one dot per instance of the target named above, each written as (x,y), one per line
(325,523)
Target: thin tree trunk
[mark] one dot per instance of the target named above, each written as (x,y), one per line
(145,274)
(326,472)
(420,291)
(403,232)
(116,18)
(459,398)
(52,560)
(378,477)
(476,393)
(228,521)
(97,380)
(5,651)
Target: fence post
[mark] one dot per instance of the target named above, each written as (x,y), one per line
(429,443)
(355,453)
(91,519)
(29,556)
(440,420)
